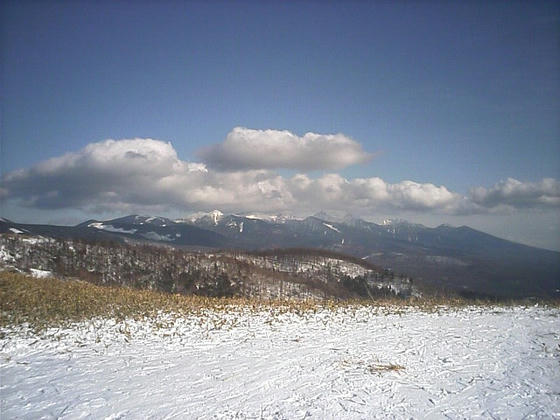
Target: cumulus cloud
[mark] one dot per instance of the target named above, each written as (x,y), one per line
(361,194)
(517,194)
(245,148)
(109,172)
(145,175)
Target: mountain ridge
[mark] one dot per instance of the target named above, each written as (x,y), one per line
(443,257)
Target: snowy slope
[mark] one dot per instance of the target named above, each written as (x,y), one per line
(465,363)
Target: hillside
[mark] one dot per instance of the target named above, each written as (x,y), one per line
(296,273)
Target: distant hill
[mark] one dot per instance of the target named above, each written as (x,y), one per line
(461,259)
(288,273)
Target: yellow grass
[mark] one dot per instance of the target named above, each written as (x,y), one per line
(50,302)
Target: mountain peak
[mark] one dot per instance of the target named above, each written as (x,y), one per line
(336,217)
(391,222)
(216,215)
(212,217)
(135,219)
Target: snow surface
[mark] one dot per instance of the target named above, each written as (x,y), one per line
(271,218)
(331,227)
(111,228)
(40,274)
(260,217)
(14,230)
(5,255)
(216,216)
(465,363)
(37,240)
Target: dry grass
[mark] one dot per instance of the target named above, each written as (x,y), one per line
(380,368)
(52,302)
(375,367)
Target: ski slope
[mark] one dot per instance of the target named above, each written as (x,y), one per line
(347,363)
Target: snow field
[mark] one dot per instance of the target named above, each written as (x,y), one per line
(361,362)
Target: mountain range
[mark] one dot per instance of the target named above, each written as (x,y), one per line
(444,258)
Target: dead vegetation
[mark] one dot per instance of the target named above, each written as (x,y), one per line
(52,302)
(382,367)
(42,303)
(375,367)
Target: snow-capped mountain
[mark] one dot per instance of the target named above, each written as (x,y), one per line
(211,218)
(214,217)
(442,257)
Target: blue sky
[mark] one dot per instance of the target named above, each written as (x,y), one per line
(461,95)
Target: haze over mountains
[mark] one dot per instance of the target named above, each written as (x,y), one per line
(441,258)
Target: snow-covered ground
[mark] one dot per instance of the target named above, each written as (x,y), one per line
(359,363)
(40,274)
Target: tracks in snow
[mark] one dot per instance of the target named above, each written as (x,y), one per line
(470,362)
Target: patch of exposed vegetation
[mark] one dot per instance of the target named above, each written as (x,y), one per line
(384,367)
(375,367)
(48,302)
(42,303)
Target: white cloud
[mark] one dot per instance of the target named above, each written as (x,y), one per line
(332,191)
(145,175)
(517,194)
(245,148)
(108,173)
